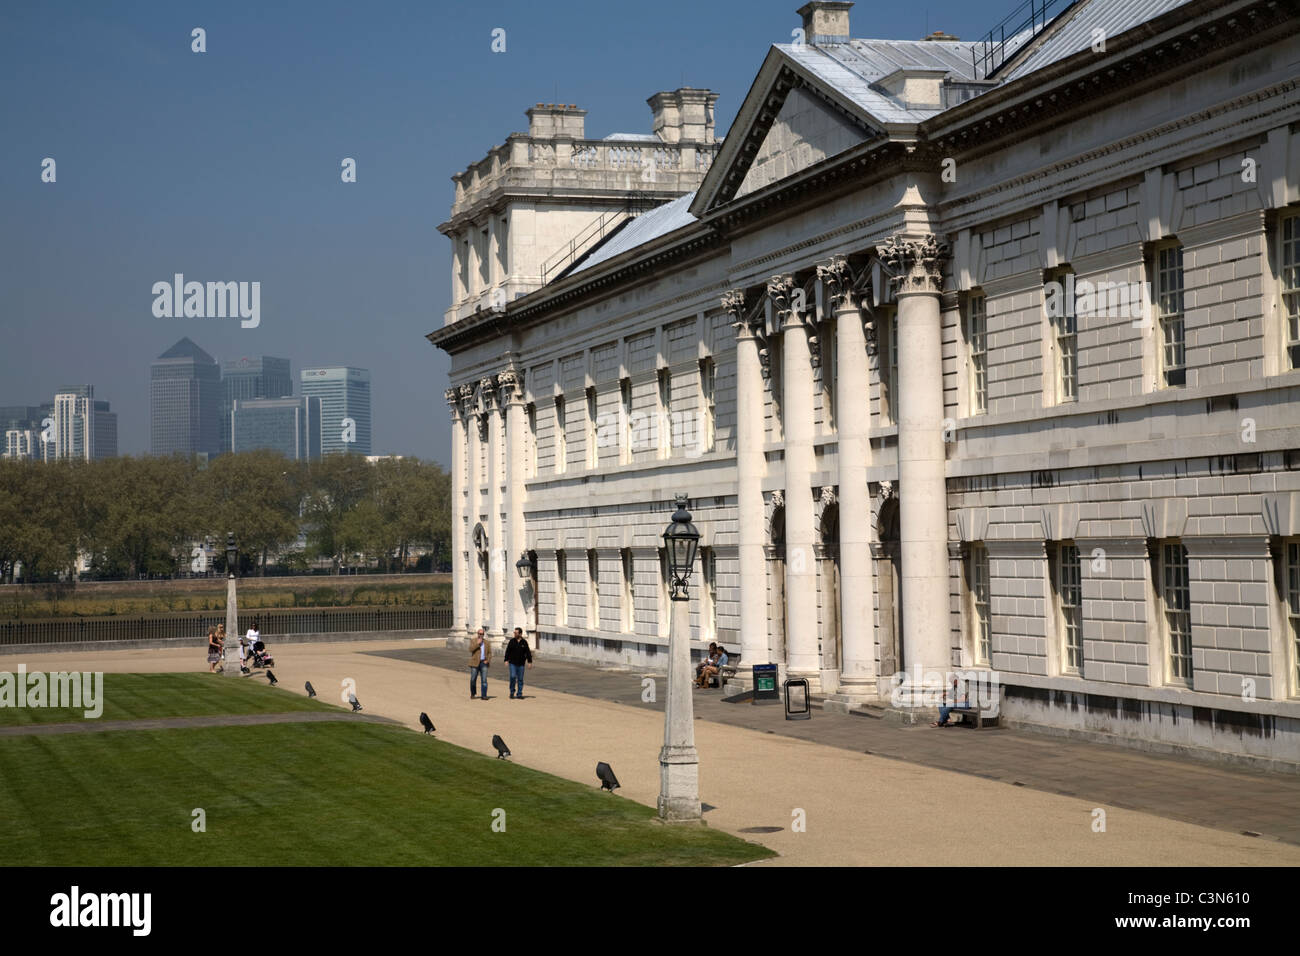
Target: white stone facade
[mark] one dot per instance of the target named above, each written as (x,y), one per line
(853,359)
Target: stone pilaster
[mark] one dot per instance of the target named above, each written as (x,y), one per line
(800,462)
(916,268)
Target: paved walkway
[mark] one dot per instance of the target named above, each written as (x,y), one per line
(1175,787)
(181,723)
(757,774)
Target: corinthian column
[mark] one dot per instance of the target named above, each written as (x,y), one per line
(512,397)
(749,483)
(474,578)
(802,659)
(458,508)
(496,562)
(852,419)
(917,268)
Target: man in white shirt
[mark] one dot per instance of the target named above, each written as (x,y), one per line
(247,644)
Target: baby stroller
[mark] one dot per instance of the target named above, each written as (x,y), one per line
(261,656)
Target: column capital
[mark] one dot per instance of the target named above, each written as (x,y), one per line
(453,403)
(747,325)
(837,280)
(915,263)
(510,381)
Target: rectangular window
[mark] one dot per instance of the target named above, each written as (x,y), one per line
(627,445)
(888,351)
(561,439)
(593,456)
(561,589)
(1068,581)
(629,593)
(665,602)
(1289,256)
(593,590)
(1059,298)
(977,577)
(1169,309)
(977,341)
(1293,609)
(708,403)
(708,595)
(827,340)
(1177,599)
(665,413)
(531,412)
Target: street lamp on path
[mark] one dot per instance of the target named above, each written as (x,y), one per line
(232,606)
(679,770)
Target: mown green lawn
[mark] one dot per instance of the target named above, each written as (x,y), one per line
(135,696)
(319,794)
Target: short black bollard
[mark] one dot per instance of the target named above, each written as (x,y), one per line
(797,703)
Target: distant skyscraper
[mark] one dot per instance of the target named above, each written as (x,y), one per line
(21,426)
(185,402)
(248,378)
(290,426)
(344,395)
(84,428)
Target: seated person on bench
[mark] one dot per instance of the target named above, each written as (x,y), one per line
(714,665)
(958,703)
(709,659)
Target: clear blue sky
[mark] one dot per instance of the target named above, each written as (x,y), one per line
(225,166)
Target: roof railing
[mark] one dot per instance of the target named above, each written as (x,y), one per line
(990,52)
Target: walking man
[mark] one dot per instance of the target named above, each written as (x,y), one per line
(518,654)
(480,656)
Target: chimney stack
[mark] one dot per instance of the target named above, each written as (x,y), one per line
(683,115)
(825,21)
(556,121)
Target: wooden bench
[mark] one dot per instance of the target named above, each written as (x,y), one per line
(972,712)
(727,671)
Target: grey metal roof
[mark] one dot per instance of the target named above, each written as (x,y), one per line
(850,69)
(657,222)
(1071,31)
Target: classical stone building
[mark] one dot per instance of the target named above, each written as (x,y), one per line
(969,354)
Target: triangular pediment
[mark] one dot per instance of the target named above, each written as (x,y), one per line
(788,122)
(805,132)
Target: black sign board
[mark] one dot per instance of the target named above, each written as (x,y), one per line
(765,689)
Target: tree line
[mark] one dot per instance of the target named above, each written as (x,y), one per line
(132,516)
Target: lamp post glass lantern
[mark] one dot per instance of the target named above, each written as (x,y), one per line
(524,567)
(681,538)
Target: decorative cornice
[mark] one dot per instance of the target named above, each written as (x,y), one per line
(916,264)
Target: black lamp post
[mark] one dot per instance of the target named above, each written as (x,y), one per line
(232,604)
(679,771)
